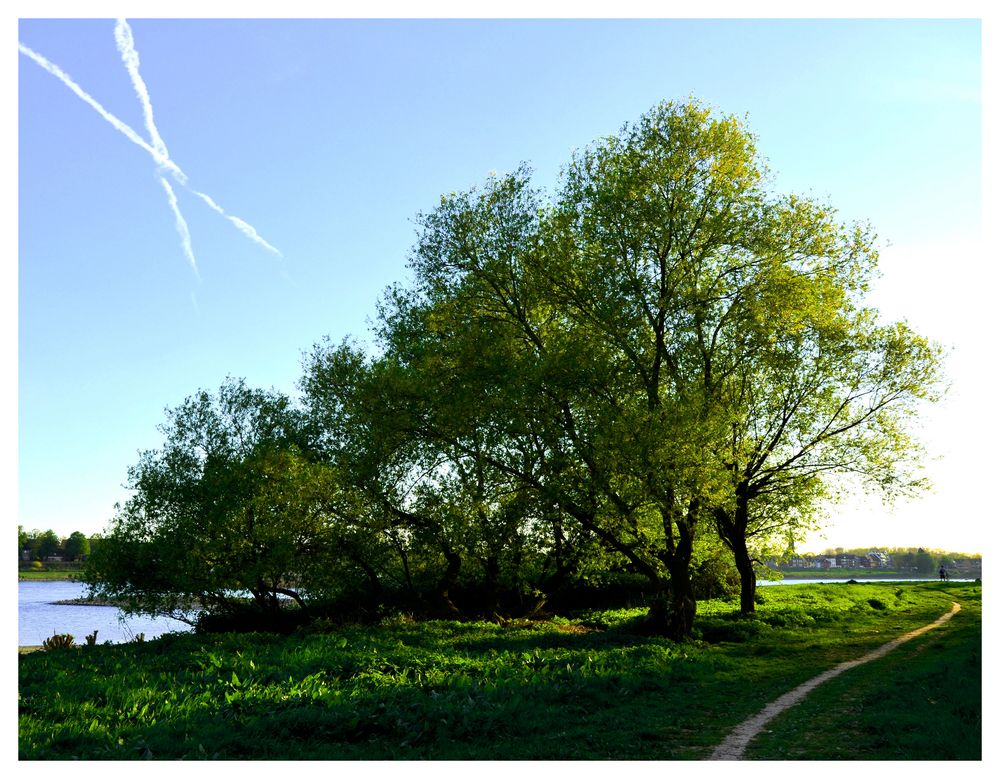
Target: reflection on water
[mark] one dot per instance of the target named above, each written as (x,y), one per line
(38,617)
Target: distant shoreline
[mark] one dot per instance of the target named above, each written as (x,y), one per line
(49,576)
(857,574)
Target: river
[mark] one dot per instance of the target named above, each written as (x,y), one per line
(860,580)
(38,617)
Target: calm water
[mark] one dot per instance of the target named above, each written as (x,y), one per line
(860,580)
(38,617)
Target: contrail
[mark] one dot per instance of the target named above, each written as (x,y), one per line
(113,120)
(126,48)
(130,57)
(242,226)
(182,228)
(158,149)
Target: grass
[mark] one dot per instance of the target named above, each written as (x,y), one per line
(30,576)
(922,701)
(581,688)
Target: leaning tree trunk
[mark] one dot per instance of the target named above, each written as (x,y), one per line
(732,527)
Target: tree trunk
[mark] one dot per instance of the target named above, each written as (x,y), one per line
(491,603)
(672,614)
(448,579)
(680,617)
(732,529)
(748,578)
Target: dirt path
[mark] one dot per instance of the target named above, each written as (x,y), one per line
(735,744)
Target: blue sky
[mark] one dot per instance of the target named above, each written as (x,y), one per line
(328,137)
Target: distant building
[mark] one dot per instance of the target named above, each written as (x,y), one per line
(879,559)
(969,566)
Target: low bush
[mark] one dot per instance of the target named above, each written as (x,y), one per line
(58,641)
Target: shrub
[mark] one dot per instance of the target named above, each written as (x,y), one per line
(58,641)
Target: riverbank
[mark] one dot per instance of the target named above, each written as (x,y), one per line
(50,607)
(588,687)
(844,574)
(49,576)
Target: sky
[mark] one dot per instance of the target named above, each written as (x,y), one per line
(217,195)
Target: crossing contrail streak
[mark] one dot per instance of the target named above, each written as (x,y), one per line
(158,150)
(182,228)
(126,48)
(113,120)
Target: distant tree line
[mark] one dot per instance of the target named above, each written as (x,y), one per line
(39,544)
(638,384)
(903,559)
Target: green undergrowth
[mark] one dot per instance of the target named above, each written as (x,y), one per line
(922,701)
(588,686)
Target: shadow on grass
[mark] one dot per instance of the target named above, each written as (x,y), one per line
(434,690)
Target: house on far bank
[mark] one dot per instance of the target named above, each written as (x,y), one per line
(853,561)
(970,567)
(879,559)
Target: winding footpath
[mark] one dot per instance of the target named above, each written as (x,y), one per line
(735,744)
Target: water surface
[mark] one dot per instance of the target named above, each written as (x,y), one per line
(38,617)
(858,579)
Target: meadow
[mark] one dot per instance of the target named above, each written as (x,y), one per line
(582,686)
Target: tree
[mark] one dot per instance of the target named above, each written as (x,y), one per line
(44,545)
(234,502)
(923,562)
(560,333)
(454,520)
(77,546)
(815,386)
(664,347)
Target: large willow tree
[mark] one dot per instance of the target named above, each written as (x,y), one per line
(663,348)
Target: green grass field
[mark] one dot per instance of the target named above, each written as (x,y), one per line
(45,576)
(581,688)
(50,572)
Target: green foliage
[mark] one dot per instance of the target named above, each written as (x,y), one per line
(574,390)
(77,546)
(922,701)
(582,688)
(661,347)
(234,502)
(58,641)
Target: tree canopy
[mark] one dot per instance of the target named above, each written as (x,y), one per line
(234,504)
(662,356)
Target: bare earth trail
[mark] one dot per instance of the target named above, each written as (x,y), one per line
(735,744)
